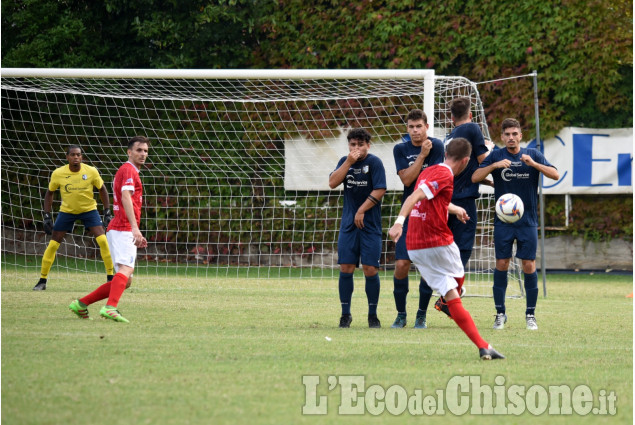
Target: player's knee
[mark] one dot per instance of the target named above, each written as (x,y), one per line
(402,267)
(370,270)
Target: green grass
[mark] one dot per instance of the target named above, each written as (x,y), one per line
(213,351)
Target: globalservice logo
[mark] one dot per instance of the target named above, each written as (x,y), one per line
(461,395)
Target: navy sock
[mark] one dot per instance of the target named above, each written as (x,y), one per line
(465,257)
(425,293)
(531,292)
(372,292)
(499,289)
(346,291)
(400,292)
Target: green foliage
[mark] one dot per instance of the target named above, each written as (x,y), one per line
(581,50)
(596,218)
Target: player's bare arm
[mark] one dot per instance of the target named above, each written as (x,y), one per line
(137,237)
(372,200)
(337,177)
(103,195)
(459,212)
(48,201)
(409,175)
(548,171)
(480,173)
(397,229)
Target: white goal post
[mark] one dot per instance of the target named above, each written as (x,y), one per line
(236,181)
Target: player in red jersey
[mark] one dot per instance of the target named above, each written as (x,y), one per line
(124,236)
(430,242)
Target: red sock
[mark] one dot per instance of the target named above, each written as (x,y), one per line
(460,281)
(97,295)
(117,286)
(462,318)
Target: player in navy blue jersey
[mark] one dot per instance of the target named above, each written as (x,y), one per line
(516,170)
(360,234)
(465,191)
(413,155)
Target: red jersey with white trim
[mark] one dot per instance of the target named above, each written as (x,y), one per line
(428,224)
(127,178)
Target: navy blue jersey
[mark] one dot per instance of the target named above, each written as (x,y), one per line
(519,179)
(406,153)
(463,186)
(362,178)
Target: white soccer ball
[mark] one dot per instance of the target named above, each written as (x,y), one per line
(509,208)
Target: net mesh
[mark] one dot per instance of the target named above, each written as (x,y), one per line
(222,195)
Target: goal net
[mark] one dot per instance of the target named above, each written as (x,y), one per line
(236,183)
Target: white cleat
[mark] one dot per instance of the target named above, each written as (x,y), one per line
(500,320)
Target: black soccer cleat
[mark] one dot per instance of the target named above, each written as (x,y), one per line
(373,321)
(489,353)
(109,277)
(345,321)
(441,306)
(40,286)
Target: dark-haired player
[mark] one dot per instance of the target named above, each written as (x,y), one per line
(360,234)
(465,191)
(75,181)
(516,170)
(430,242)
(124,236)
(415,153)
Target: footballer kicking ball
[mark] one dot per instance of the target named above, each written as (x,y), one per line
(509,208)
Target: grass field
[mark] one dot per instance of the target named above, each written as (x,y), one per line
(215,351)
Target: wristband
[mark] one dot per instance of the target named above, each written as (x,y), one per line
(400,220)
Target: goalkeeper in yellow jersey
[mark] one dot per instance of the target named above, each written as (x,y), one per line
(75,182)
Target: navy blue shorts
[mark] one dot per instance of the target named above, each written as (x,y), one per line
(66,221)
(401,253)
(526,238)
(464,234)
(351,246)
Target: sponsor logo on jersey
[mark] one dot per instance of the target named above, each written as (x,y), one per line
(508,174)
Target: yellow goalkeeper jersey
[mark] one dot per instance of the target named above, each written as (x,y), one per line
(76,188)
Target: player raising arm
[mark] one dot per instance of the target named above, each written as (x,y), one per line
(516,170)
(417,152)
(360,234)
(430,242)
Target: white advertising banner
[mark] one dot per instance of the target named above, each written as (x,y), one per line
(590,161)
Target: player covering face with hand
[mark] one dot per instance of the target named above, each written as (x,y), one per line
(360,237)
(430,242)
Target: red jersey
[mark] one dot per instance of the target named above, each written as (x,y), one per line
(428,224)
(127,178)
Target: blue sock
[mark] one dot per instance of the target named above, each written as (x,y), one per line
(531,292)
(499,289)
(400,292)
(372,293)
(465,257)
(425,293)
(346,291)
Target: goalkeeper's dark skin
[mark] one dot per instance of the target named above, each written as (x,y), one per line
(74,157)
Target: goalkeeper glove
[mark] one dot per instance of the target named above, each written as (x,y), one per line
(107,217)
(48,223)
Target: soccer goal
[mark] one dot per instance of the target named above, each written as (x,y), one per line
(237,178)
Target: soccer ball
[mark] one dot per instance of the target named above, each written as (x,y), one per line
(509,208)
